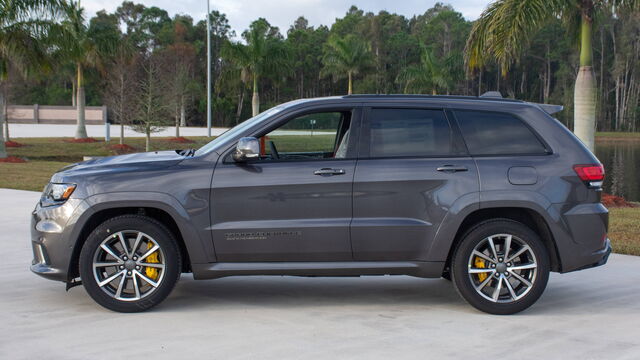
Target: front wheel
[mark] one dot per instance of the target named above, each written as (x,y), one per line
(500,267)
(130,263)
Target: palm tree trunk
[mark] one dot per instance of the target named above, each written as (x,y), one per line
(350,84)
(6,122)
(3,149)
(81,131)
(584,120)
(255,101)
(240,102)
(73,92)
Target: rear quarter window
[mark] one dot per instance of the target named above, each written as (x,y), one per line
(495,133)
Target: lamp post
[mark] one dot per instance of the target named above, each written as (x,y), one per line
(208,72)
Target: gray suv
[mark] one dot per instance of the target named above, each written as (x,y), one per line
(490,193)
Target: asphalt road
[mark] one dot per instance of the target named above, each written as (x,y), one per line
(593,314)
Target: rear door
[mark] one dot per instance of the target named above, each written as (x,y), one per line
(412,167)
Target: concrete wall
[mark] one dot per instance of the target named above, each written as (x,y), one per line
(45,114)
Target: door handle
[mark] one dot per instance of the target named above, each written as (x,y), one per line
(329,172)
(452,168)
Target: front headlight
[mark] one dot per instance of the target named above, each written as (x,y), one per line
(56,194)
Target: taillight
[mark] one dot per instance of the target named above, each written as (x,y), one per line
(592,174)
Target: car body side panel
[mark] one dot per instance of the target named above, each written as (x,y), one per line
(399,204)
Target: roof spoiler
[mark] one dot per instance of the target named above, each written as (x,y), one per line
(551,109)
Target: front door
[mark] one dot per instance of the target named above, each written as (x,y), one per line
(411,170)
(294,203)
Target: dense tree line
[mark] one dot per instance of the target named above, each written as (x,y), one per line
(150,68)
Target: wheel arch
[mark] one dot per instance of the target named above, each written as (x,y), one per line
(529,217)
(177,221)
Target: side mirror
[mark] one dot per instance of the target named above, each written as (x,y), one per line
(247,148)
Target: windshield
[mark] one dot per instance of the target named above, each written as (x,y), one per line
(231,133)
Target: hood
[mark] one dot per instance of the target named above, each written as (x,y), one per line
(149,160)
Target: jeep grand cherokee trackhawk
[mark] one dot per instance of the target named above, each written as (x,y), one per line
(490,193)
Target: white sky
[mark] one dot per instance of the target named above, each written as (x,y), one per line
(282,13)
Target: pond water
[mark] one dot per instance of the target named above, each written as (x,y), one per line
(621,161)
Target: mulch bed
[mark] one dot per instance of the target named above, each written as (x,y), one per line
(13,144)
(13,159)
(81,141)
(182,140)
(612,201)
(121,147)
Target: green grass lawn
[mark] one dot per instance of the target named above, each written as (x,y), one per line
(618,136)
(47,155)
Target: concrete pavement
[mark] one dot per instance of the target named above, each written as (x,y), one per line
(592,314)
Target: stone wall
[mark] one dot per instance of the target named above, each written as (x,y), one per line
(46,114)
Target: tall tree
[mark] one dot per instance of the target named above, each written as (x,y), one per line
(263,55)
(431,75)
(178,70)
(346,57)
(84,51)
(25,27)
(150,108)
(506,26)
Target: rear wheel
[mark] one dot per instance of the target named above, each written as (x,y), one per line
(130,263)
(500,267)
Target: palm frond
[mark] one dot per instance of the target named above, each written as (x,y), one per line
(505,28)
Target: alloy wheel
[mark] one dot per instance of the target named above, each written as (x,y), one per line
(129,265)
(502,268)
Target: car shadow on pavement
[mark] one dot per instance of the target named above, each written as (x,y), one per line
(299,292)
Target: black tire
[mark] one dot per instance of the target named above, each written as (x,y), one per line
(169,274)
(464,282)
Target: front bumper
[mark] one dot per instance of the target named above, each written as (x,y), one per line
(52,239)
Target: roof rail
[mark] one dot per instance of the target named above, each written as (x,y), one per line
(424,96)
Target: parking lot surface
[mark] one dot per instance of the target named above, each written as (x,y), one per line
(592,314)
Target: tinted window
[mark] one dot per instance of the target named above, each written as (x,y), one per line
(489,133)
(409,132)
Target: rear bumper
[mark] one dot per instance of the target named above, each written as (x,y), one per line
(600,257)
(580,233)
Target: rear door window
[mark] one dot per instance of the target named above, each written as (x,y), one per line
(494,133)
(410,133)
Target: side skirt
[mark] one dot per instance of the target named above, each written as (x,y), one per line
(421,269)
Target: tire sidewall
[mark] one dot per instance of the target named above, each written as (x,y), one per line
(472,238)
(149,226)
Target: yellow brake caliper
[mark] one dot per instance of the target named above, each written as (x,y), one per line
(151,272)
(480,264)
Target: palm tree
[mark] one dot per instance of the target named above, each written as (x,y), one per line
(430,75)
(346,57)
(504,28)
(84,52)
(24,27)
(262,56)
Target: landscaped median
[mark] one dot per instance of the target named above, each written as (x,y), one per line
(47,155)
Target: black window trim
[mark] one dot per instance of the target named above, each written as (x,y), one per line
(365,133)
(354,135)
(547,148)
